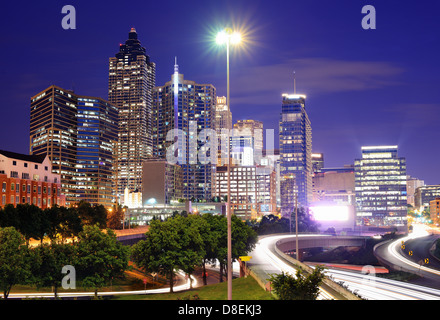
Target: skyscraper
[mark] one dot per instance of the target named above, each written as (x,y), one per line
(131,83)
(380,186)
(188,107)
(79,134)
(223,126)
(295,151)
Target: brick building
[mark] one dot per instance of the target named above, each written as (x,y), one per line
(28,179)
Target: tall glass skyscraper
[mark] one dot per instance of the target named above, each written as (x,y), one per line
(131,82)
(189,107)
(79,134)
(380,186)
(295,133)
(97,140)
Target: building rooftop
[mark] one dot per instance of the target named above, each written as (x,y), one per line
(23,157)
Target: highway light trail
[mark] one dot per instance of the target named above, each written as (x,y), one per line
(181,287)
(367,286)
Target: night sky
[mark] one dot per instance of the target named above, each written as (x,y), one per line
(363,87)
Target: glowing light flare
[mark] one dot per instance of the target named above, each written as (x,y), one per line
(227,35)
(235,38)
(330,213)
(221,38)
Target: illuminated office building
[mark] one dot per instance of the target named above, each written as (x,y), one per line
(254,129)
(223,120)
(295,134)
(380,186)
(424,194)
(188,107)
(79,134)
(131,82)
(253,190)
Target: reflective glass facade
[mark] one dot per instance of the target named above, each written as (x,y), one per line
(96,143)
(190,107)
(79,135)
(380,186)
(295,152)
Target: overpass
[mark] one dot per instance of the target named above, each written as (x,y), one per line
(131,236)
(317,241)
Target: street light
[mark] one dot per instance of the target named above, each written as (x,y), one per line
(227,36)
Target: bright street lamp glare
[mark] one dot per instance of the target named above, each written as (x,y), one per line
(221,37)
(235,38)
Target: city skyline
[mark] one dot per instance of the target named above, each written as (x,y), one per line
(392,82)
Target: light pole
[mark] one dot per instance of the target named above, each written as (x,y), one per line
(228,37)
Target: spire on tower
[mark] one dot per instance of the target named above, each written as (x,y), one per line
(294,82)
(176,66)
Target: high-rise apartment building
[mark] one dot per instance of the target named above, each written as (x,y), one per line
(295,143)
(380,186)
(79,134)
(131,82)
(187,108)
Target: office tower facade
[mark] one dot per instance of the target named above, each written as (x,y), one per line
(162,182)
(254,129)
(380,186)
(295,143)
(412,184)
(188,108)
(131,82)
(97,132)
(28,179)
(79,134)
(424,195)
(335,186)
(317,162)
(253,190)
(223,127)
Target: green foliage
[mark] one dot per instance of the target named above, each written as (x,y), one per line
(14,259)
(99,257)
(300,287)
(270,224)
(92,215)
(187,242)
(49,259)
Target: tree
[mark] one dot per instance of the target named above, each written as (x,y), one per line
(92,215)
(69,223)
(193,246)
(32,222)
(115,217)
(244,239)
(272,224)
(14,259)
(170,245)
(301,287)
(100,257)
(211,238)
(49,262)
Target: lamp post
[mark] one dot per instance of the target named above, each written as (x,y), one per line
(227,36)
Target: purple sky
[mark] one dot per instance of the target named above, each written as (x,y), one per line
(363,87)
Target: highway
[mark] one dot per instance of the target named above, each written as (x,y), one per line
(411,257)
(265,261)
(181,287)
